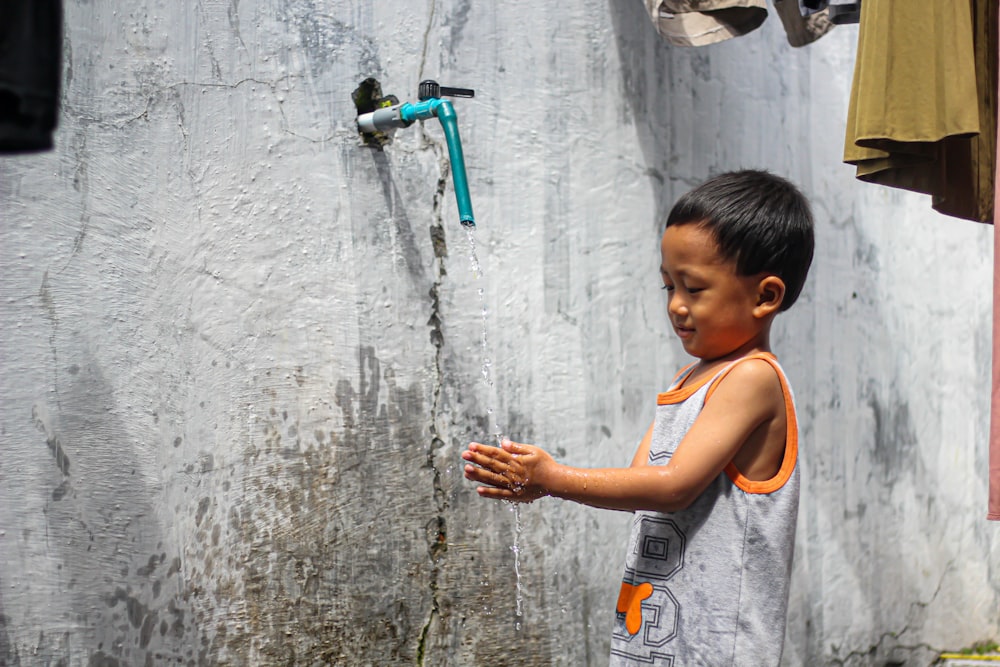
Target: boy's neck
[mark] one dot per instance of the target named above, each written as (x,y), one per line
(758,345)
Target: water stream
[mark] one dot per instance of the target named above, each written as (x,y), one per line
(477,271)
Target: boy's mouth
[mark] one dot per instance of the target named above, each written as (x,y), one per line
(683,332)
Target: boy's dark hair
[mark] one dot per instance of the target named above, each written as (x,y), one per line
(759,220)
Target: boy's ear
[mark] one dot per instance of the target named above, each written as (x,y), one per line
(770,294)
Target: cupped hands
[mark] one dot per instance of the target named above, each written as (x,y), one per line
(513,471)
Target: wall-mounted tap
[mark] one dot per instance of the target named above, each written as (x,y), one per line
(430,105)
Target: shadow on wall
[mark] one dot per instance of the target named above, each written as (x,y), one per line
(367,97)
(8,652)
(646,89)
(118,571)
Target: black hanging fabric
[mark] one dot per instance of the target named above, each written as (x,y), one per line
(30,73)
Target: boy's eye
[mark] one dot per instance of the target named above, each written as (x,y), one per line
(669,288)
(694,290)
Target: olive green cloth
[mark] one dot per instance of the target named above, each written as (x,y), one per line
(922,114)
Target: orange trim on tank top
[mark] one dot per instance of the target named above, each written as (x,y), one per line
(683,392)
(791,434)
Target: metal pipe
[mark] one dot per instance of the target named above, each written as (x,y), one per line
(403,115)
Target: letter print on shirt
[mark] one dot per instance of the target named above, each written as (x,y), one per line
(647,612)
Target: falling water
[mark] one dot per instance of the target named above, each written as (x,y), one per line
(477,271)
(516,548)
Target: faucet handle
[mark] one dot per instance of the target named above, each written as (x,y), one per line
(429,88)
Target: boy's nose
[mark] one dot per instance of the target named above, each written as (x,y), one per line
(676,305)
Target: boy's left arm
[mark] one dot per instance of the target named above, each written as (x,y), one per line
(747,399)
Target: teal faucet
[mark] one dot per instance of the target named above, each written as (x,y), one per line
(429,106)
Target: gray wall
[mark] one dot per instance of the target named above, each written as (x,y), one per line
(242,352)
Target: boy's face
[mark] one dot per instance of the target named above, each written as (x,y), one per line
(711,308)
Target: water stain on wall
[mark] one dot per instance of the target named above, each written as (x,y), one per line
(323,523)
(326,39)
(8,652)
(895,438)
(457,21)
(51,440)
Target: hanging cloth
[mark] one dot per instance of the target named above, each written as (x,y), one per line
(802,25)
(923,107)
(30,73)
(701,22)
(843,12)
(993,510)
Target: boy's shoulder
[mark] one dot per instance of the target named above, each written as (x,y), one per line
(757,374)
(752,388)
(757,368)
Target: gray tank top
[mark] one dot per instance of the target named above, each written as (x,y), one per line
(708,585)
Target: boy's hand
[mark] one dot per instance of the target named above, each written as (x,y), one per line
(512,471)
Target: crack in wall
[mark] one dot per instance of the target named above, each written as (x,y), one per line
(427,35)
(48,305)
(154,94)
(233,14)
(872,651)
(437,527)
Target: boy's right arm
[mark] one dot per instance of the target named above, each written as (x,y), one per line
(522,473)
(499,471)
(747,406)
(641,457)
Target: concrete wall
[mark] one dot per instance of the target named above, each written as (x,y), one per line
(242,352)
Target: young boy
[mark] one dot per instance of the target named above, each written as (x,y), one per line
(714,483)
